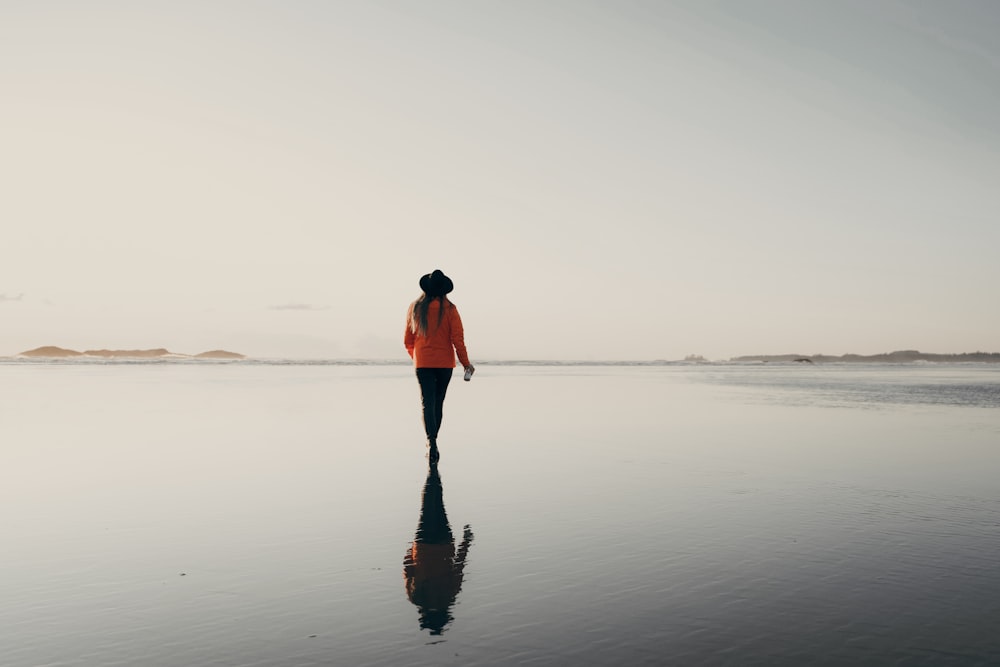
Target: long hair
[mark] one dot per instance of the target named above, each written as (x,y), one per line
(419,310)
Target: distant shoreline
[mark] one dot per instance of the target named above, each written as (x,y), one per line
(899,357)
(128,357)
(162,354)
(54,352)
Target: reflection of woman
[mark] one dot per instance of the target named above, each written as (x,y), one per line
(434,334)
(432,568)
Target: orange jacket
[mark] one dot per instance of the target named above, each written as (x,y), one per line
(437,349)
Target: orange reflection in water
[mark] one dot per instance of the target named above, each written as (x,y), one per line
(433,568)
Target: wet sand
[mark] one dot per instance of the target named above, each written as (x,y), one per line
(261,515)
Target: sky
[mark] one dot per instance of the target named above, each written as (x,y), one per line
(615,180)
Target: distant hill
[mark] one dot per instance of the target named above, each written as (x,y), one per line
(219,354)
(900,357)
(51,351)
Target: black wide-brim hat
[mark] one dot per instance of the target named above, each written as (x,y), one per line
(436,284)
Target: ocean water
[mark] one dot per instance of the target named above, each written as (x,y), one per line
(180,514)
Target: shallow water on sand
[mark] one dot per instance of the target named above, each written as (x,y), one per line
(241,514)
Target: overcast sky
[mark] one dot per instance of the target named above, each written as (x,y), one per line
(602,180)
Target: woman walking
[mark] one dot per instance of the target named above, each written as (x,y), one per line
(433,336)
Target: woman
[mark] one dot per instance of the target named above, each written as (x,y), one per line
(433,336)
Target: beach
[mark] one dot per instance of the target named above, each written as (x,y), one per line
(260,513)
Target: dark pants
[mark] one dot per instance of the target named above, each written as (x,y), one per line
(433,385)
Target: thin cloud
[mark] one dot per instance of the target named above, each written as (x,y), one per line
(4,297)
(298,306)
